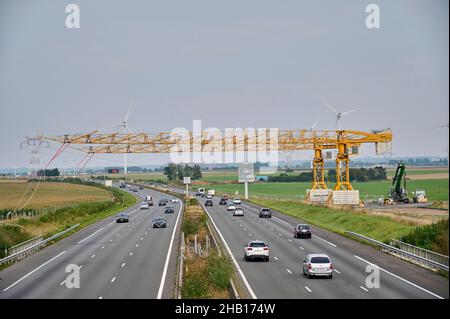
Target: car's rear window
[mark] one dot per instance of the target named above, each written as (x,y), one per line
(257,245)
(320,260)
(265,210)
(303,227)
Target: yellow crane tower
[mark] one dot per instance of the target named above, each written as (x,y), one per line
(343,141)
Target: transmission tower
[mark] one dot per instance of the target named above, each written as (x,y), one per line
(34,144)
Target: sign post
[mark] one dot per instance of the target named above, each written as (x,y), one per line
(187,181)
(246,175)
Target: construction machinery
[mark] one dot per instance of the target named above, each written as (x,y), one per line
(245,140)
(420,196)
(397,193)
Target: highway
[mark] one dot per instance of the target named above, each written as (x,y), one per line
(282,277)
(116,260)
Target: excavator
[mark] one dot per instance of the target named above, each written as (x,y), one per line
(399,194)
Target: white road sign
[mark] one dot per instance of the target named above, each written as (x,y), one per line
(246,173)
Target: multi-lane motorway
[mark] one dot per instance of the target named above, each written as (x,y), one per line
(125,260)
(282,276)
(133,260)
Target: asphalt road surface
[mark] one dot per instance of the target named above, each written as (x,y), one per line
(116,260)
(282,276)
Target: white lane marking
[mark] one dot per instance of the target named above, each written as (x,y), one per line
(245,229)
(145,233)
(103,247)
(244,279)
(400,278)
(33,271)
(142,238)
(114,279)
(279,234)
(86,238)
(131,254)
(363,288)
(124,229)
(289,271)
(271,229)
(93,256)
(166,265)
(290,240)
(137,245)
(250,234)
(276,258)
(123,265)
(118,235)
(301,248)
(337,271)
(111,240)
(307,288)
(326,241)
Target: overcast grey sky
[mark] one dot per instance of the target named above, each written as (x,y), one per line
(228,63)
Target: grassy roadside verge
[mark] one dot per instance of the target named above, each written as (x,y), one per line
(377,227)
(206,274)
(13,233)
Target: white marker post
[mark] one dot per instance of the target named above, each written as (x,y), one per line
(187,181)
(246,174)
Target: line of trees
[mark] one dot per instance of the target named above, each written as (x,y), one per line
(377,173)
(356,174)
(178,172)
(48,172)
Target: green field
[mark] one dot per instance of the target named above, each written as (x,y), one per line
(436,189)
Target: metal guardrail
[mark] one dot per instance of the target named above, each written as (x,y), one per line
(419,260)
(23,246)
(418,251)
(29,250)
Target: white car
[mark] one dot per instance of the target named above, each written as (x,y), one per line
(256,249)
(144,205)
(237,201)
(238,212)
(317,265)
(231,207)
(175,200)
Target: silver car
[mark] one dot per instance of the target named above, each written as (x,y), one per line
(238,212)
(317,265)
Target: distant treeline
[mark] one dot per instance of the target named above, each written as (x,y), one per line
(48,172)
(177,172)
(356,174)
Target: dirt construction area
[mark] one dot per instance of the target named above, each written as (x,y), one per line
(414,215)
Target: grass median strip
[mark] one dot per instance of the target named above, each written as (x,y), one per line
(206,273)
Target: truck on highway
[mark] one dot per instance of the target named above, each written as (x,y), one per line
(122,184)
(211,192)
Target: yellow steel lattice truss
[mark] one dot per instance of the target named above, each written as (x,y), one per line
(240,140)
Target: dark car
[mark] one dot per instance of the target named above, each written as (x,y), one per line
(134,190)
(302,230)
(162,202)
(141,187)
(223,201)
(208,202)
(159,222)
(122,218)
(169,210)
(265,212)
